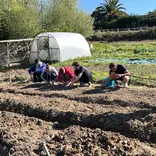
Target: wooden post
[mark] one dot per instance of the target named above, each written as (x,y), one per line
(8,51)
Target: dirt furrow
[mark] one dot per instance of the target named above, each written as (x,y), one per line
(62,104)
(132,124)
(21,135)
(103,99)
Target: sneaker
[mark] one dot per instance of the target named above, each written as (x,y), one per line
(51,82)
(81,84)
(125,84)
(89,84)
(43,82)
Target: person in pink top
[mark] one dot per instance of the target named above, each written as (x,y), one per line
(65,75)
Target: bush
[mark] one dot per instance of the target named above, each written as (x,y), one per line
(125,35)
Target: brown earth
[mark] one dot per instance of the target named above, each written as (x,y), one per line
(76,121)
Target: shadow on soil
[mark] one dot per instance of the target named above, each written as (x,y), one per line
(100,90)
(43,86)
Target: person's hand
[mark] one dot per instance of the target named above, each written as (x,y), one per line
(120,75)
(31,74)
(64,83)
(103,85)
(70,84)
(67,85)
(31,77)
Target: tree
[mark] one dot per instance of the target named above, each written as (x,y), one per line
(64,15)
(99,17)
(19,19)
(112,9)
(108,11)
(151,14)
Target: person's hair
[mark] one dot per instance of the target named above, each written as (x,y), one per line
(37,61)
(111,65)
(61,70)
(76,64)
(47,64)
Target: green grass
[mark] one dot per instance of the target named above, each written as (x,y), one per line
(121,50)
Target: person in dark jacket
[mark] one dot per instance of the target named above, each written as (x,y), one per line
(81,74)
(36,70)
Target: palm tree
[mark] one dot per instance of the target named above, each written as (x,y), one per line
(112,8)
(99,17)
(106,12)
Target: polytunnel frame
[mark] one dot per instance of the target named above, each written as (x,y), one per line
(48,50)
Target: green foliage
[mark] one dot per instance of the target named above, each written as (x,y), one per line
(131,21)
(98,75)
(145,49)
(19,79)
(112,8)
(129,50)
(125,35)
(66,17)
(108,11)
(19,19)
(108,16)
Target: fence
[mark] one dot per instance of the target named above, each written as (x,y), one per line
(124,29)
(14,52)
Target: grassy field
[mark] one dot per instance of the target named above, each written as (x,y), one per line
(121,50)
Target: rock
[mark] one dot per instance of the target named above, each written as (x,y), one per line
(97,152)
(39,123)
(67,148)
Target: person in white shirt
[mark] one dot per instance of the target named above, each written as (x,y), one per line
(49,75)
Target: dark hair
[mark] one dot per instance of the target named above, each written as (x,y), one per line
(47,65)
(76,64)
(36,61)
(111,65)
(61,70)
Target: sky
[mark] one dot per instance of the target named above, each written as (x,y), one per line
(139,7)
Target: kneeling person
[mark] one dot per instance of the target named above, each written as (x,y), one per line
(81,74)
(65,75)
(50,74)
(36,70)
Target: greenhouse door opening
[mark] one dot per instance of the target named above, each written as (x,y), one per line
(48,49)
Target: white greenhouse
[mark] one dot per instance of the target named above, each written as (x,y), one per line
(58,46)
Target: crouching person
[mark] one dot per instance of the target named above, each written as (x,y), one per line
(81,74)
(36,70)
(119,72)
(65,75)
(49,75)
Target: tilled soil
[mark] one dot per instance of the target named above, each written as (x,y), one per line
(77,121)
